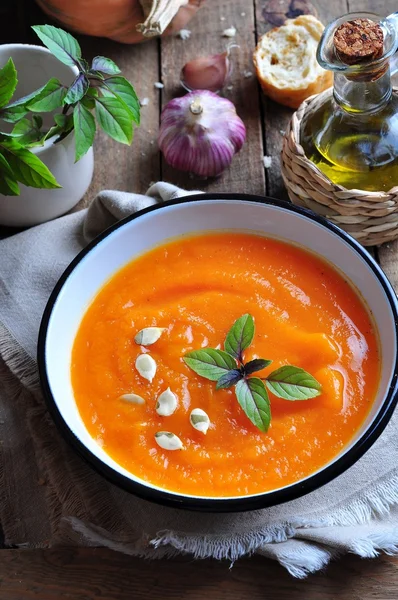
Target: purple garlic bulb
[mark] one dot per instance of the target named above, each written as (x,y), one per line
(200,133)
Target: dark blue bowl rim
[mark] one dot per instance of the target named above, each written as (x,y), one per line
(244,503)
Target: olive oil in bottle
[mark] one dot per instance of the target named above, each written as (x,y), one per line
(352,137)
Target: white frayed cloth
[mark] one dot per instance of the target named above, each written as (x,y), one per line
(48,496)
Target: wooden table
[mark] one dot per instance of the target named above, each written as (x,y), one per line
(99,573)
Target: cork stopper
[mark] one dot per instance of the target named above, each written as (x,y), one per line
(359,41)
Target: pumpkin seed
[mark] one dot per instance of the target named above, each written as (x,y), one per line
(133,398)
(168,440)
(166,404)
(199,420)
(148,335)
(146,366)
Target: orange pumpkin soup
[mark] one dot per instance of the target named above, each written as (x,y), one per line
(305,314)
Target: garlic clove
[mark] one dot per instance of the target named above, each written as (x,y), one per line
(133,398)
(168,440)
(199,420)
(148,335)
(230,32)
(206,73)
(184,34)
(166,404)
(146,366)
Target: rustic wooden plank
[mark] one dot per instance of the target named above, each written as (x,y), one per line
(276,117)
(246,173)
(89,573)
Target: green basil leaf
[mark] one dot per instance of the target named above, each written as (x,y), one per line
(89,102)
(8,186)
(210,363)
(63,120)
(97,74)
(92,91)
(104,65)
(49,98)
(24,100)
(229,379)
(253,398)
(54,131)
(114,119)
(122,89)
(77,90)
(84,124)
(8,82)
(17,109)
(5,167)
(293,383)
(28,168)
(37,121)
(26,133)
(12,114)
(64,124)
(256,365)
(21,128)
(240,336)
(60,43)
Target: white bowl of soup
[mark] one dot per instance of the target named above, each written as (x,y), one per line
(172,280)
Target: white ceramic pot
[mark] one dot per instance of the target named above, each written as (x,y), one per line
(218,212)
(35,66)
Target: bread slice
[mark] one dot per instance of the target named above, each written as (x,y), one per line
(285,61)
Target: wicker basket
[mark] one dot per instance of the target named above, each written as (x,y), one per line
(370,217)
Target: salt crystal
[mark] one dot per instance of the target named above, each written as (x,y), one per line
(282,131)
(247,74)
(230,87)
(267,160)
(184,34)
(222,18)
(243,14)
(144,102)
(230,32)
(159,85)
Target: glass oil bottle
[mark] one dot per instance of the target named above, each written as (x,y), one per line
(352,136)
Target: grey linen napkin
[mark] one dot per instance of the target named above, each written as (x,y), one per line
(49,496)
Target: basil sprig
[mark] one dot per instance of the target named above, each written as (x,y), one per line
(227,368)
(98,94)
